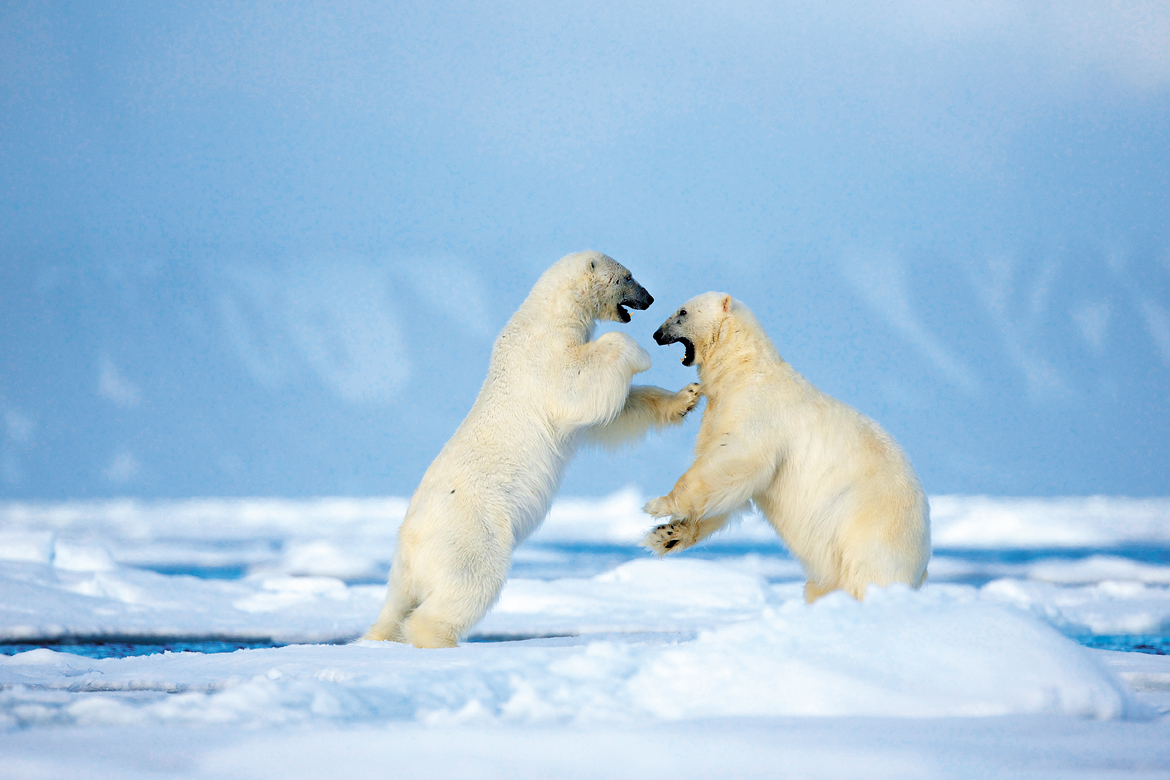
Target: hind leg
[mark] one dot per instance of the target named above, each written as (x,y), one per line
(441,622)
(430,626)
(455,604)
(400,601)
(881,563)
(814,590)
(876,566)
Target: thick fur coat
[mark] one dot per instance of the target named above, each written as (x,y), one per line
(836,487)
(549,385)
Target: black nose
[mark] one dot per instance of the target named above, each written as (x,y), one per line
(640,298)
(660,338)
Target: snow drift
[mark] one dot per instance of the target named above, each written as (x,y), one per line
(944,651)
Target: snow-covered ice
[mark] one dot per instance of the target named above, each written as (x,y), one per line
(945,652)
(615,664)
(1094,521)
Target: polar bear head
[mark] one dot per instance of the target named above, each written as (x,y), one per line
(697,325)
(599,286)
(613,288)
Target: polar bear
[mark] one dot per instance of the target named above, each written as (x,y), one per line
(548,386)
(835,486)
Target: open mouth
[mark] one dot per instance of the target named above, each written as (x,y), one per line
(661,338)
(640,299)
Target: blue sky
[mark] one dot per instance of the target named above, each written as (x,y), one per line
(262,249)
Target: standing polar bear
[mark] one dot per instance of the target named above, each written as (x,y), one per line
(835,486)
(548,384)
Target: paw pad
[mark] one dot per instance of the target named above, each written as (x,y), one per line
(665,538)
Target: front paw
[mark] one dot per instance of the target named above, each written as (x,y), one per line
(626,350)
(669,537)
(639,359)
(658,507)
(687,399)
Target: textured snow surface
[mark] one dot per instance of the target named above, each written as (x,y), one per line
(765,748)
(617,664)
(942,652)
(313,571)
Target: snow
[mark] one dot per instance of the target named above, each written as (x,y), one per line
(351,538)
(41,601)
(1107,607)
(1095,521)
(341,537)
(616,664)
(944,652)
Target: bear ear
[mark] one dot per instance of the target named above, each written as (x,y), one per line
(726,303)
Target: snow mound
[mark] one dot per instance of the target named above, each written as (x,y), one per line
(38,601)
(941,652)
(1103,608)
(93,597)
(642,595)
(33,546)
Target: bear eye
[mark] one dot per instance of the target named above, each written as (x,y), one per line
(682,312)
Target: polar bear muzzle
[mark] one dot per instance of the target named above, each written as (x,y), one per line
(633,295)
(665,335)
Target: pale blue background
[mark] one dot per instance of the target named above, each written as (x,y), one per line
(263,249)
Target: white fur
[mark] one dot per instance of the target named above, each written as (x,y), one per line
(491,485)
(835,486)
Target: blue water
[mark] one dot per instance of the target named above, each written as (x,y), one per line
(121,647)
(1145,553)
(1152,644)
(230,572)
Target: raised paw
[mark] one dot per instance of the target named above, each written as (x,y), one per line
(665,538)
(658,507)
(688,399)
(625,349)
(641,360)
